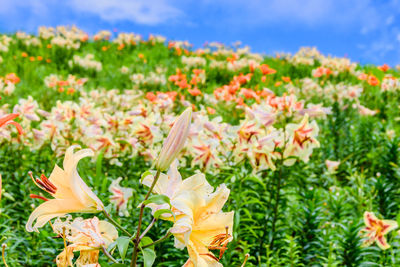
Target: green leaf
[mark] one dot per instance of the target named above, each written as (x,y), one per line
(112,246)
(145,241)
(160,212)
(158,199)
(8,196)
(119,265)
(123,244)
(149,256)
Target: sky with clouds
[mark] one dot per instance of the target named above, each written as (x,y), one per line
(366,31)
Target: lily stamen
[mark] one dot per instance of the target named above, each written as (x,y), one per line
(48,185)
(44,183)
(39,197)
(220,242)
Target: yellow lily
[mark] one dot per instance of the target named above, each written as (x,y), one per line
(70,192)
(203,226)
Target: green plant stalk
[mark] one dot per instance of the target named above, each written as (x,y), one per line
(275,211)
(277,198)
(142,206)
(265,224)
(168,234)
(108,255)
(146,230)
(115,223)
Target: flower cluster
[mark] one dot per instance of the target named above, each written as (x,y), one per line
(194,208)
(7,83)
(70,85)
(127,39)
(87,62)
(102,35)
(124,125)
(64,37)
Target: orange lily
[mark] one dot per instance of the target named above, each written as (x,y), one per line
(385,67)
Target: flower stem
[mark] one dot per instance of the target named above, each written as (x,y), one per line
(245,259)
(115,223)
(277,199)
(3,254)
(148,228)
(142,206)
(108,255)
(278,188)
(168,234)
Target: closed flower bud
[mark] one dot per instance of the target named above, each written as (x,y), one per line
(175,141)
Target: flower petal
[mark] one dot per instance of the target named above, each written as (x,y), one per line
(51,209)
(389,226)
(369,218)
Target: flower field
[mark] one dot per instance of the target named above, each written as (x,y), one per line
(123,150)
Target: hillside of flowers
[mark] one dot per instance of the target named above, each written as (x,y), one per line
(125,150)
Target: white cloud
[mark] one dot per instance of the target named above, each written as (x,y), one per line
(305,13)
(149,12)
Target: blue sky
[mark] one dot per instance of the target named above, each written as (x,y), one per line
(365,31)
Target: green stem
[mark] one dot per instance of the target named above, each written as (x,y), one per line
(159,240)
(267,217)
(115,223)
(277,198)
(138,237)
(148,228)
(108,255)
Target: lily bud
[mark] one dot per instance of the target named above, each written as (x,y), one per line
(175,141)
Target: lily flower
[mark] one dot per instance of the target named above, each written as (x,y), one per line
(331,165)
(86,236)
(203,226)
(175,140)
(301,140)
(376,230)
(172,186)
(70,192)
(120,196)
